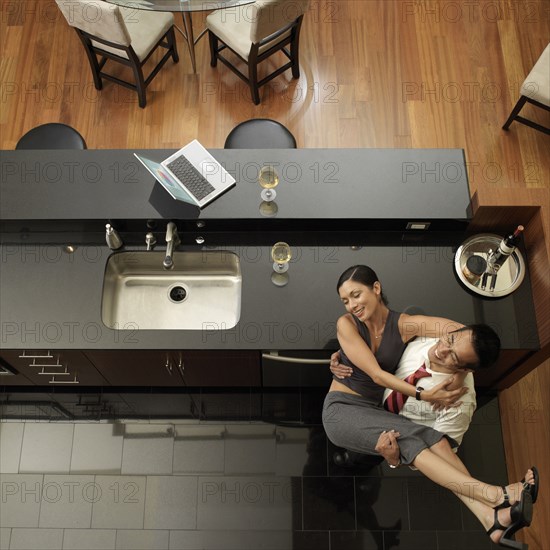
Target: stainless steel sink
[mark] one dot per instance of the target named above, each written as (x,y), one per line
(201,292)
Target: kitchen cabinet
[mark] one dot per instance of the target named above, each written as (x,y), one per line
(9,376)
(178,368)
(55,368)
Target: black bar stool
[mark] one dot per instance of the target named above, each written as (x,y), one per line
(260,133)
(52,136)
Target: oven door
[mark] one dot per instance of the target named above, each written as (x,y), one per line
(296,368)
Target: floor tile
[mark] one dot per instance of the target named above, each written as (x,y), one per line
(11,440)
(382,503)
(171,502)
(329,503)
(119,502)
(310,540)
(97,449)
(5,533)
(89,539)
(360,465)
(148,449)
(248,503)
(21,494)
(36,539)
(430,504)
(301,451)
(199,449)
(232,540)
(250,449)
(46,448)
(67,501)
(356,540)
(410,540)
(458,540)
(142,540)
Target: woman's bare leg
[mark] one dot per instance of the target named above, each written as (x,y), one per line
(483,512)
(458,480)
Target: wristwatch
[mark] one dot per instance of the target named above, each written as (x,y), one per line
(419,390)
(396,465)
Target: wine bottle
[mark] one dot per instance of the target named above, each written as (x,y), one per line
(505,249)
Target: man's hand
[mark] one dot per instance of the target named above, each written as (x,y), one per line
(339,370)
(442,397)
(387,446)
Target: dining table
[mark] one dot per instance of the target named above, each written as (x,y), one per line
(186,8)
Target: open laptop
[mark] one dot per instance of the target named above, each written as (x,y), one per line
(191,174)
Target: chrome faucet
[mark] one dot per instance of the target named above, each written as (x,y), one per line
(172,241)
(150,241)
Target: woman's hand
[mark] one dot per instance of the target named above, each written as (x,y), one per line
(387,446)
(339,370)
(441,395)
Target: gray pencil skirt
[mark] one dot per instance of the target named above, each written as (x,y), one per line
(355,423)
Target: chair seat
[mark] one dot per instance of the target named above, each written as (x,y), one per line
(234,30)
(145,28)
(537,84)
(260,133)
(52,136)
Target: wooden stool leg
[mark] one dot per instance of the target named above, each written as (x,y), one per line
(515,111)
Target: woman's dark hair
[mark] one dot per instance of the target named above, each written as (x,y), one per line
(486,344)
(361,274)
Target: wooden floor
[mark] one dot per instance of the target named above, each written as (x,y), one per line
(375,73)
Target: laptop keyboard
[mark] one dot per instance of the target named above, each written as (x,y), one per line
(193,180)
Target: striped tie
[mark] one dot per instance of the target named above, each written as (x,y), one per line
(395,401)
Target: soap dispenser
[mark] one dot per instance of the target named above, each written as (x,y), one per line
(114,242)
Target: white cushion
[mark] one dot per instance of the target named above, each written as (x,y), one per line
(537,84)
(235,26)
(145,28)
(139,28)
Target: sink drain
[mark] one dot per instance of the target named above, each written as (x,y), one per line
(178,294)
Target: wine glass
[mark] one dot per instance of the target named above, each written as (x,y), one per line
(268,179)
(281,254)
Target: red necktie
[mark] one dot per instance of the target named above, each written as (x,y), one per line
(395,401)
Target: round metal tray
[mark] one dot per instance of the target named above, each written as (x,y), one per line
(509,276)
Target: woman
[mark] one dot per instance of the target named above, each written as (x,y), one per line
(372,340)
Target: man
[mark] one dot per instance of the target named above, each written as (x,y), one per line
(442,358)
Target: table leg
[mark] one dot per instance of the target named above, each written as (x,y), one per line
(188,26)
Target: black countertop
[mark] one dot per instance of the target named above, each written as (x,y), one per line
(367,186)
(52,300)
(329,202)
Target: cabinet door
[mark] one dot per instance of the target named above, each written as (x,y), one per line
(10,376)
(55,367)
(136,368)
(219,368)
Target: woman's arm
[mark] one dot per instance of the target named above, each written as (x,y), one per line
(411,326)
(359,353)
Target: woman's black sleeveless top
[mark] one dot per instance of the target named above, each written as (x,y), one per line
(388,355)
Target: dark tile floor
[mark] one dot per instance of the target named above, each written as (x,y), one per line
(258,472)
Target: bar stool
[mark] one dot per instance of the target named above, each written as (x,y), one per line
(52,136)
(535,90)
(260,133)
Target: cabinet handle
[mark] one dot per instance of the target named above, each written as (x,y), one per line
(181,368)
(169,366)
(35,364)
(25,356)
(297,360)
(44,373)
(54,381)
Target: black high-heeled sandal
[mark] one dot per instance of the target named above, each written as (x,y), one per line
(506,503)
(531,488)
(521,515)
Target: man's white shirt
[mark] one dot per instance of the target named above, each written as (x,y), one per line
(454,421)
